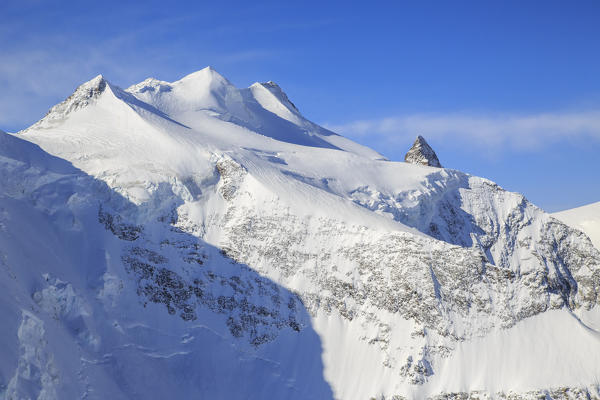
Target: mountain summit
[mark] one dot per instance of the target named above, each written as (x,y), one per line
(421,153)
(205,234)
(83,95)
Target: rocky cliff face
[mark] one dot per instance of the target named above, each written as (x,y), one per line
(188,247)
(421,153)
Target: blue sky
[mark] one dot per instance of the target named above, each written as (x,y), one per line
(505,90)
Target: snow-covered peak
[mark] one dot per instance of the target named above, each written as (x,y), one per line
(86,92)
(172,127)
(203,102)
(422,153)
(206,89)
(203,90)
(150,84)
(206,76)
(84,95)
(96,83)
(205,82)
(200,98)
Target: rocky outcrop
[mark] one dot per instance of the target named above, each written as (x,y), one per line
(422,153)
(493,260)
(256,308)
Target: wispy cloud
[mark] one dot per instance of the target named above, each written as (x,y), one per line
(515,131)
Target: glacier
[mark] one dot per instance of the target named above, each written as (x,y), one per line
(192,239)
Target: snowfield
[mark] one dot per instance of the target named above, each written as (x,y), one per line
(197,240)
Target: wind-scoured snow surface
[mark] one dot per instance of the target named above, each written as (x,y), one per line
(196,240)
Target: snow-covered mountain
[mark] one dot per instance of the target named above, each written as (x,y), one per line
(585,218)
(196,240)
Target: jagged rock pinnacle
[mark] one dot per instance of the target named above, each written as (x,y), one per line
(422,153)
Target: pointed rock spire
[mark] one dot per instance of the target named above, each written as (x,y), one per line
(421,153)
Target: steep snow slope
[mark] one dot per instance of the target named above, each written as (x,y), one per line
(586,219)
(93,304)
(349,276)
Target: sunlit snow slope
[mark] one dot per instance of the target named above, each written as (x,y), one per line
(196,240)
(586,219)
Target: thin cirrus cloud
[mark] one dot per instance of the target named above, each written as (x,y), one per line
(517,132)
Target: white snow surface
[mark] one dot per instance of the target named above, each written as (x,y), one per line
(197,240)
(585,218)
